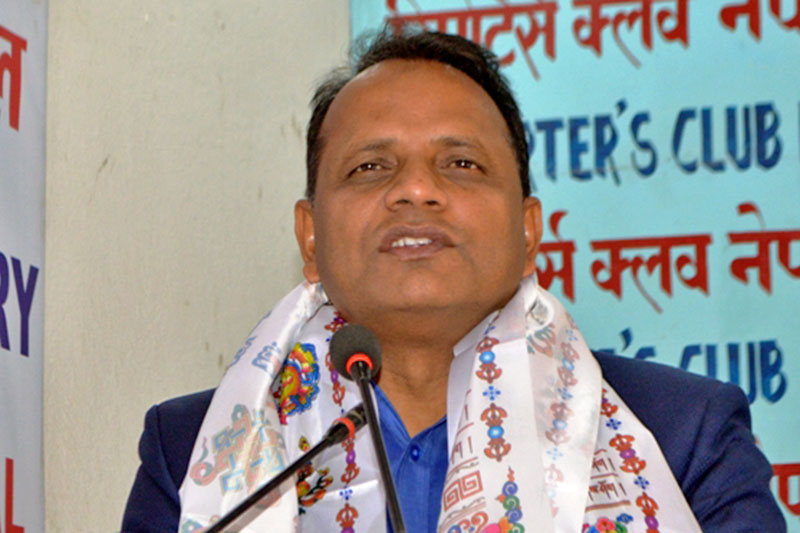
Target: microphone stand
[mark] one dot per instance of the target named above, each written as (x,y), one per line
(361,374)
(345,427)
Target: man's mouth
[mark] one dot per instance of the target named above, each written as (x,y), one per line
(411,241)
(414,242)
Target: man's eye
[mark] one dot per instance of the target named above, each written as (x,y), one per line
(367,167)
(465,164)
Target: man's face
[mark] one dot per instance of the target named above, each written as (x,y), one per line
(418,208)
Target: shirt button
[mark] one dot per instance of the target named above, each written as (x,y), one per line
(414,452)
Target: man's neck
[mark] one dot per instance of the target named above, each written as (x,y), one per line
(417,348)
(415,382)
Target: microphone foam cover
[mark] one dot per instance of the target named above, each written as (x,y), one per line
(352,339)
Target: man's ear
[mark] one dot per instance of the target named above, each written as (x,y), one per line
(304,232)
(532,220)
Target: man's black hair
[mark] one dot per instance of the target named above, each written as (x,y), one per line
(473,60)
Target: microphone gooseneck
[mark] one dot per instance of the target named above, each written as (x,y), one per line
(356,355)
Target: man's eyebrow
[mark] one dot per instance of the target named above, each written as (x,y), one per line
(373,145)
(450,141)
(447,141)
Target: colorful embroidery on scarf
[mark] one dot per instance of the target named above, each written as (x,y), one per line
(308,495)
(236,467)
(498,447)
(493,415)
(335,325)
(471,524)
(510,523)
(631,464)
(606,489)
(348,514)
(347,518)
(489,370)
(479,521)
(608,525)
(299,381)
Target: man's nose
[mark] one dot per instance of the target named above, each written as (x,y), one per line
(416,184)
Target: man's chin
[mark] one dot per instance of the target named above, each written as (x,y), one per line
(431,306)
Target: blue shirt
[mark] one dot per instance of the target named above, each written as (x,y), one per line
(419,466)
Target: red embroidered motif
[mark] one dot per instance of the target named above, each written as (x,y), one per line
(633,465)
(352,470)
(347,516)
(498,447)
(335,325)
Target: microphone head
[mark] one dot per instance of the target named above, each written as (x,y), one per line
(354,339)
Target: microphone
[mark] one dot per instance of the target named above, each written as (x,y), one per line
(342,428)
(355,344)
(356,355)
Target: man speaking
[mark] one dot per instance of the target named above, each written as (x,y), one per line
(418,225)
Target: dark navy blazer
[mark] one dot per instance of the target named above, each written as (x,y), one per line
(702,426)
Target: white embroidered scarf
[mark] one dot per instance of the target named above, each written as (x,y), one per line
(536,438)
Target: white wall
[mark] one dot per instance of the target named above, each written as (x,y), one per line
(174,156)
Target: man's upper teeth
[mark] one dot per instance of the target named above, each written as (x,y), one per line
(411,241)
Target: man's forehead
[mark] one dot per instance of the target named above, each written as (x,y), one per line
(389,72)
(398,65)
(377,81)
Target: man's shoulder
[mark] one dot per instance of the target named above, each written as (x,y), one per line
(665,397)
(702,426)
(684,411)
(175,423)
(170,430)
(630,377)
(186,409)
(180,418)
